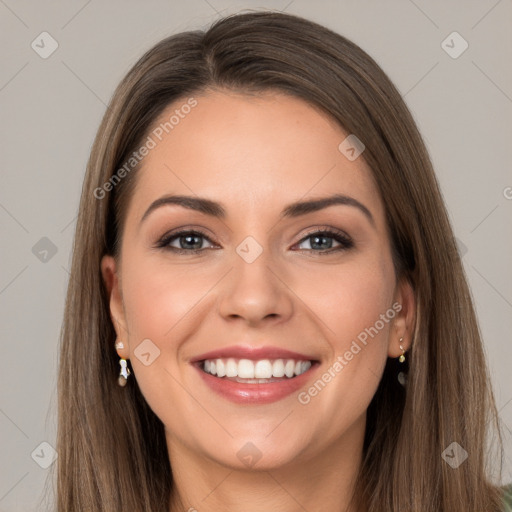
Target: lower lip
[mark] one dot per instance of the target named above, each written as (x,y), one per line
(241,393)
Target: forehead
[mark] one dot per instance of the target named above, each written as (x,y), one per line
(250,152)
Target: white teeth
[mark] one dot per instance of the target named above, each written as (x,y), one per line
(245,369)
(262,369)
(231,368)
(278,368)
(306,365)
(289,368)
(221,371)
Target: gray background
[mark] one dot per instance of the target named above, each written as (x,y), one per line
(51,109)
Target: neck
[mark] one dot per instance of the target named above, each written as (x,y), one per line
(324,482)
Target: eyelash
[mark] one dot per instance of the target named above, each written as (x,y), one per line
(345,241)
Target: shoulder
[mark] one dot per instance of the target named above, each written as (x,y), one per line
(507,498)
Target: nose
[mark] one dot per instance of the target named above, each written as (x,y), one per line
(256,293)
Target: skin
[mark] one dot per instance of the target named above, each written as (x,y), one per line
(255,155)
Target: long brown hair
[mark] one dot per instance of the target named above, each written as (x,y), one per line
(112,447)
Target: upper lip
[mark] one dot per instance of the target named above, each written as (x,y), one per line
(254,353)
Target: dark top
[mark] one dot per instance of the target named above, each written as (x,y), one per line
(507,498)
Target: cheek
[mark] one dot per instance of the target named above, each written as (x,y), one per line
(160,304)
(363,298)
(157,297)
(349,298)
(357,308)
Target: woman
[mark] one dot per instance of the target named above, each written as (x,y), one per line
(264,263)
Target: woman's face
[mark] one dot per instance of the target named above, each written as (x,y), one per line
(264,276)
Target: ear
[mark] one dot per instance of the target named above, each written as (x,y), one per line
(403,323)
(109,271)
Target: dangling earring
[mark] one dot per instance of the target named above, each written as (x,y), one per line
(401,376)
(402,356)
(124,373)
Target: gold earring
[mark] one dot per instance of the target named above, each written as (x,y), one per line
(402,356)
(402,378)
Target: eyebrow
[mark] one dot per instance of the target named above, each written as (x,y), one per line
(214,209)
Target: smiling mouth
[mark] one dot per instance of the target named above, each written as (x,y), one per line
(262,371)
